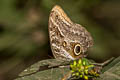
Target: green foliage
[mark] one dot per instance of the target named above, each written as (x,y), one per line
(109,72)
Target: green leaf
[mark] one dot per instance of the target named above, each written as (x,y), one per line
(110,72)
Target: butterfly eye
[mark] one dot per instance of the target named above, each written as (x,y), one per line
(77,49)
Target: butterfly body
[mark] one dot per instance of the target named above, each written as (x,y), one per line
(68,40)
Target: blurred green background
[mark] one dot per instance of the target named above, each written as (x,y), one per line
(24,30)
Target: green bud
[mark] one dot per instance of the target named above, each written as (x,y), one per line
(77,74)
(81,76)
(74,63)
(86,71)
(71,65)
(79,61)
(85,77)
(84,63)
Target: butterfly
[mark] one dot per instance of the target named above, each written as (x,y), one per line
(68,40)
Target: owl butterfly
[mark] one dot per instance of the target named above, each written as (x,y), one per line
(69,40)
